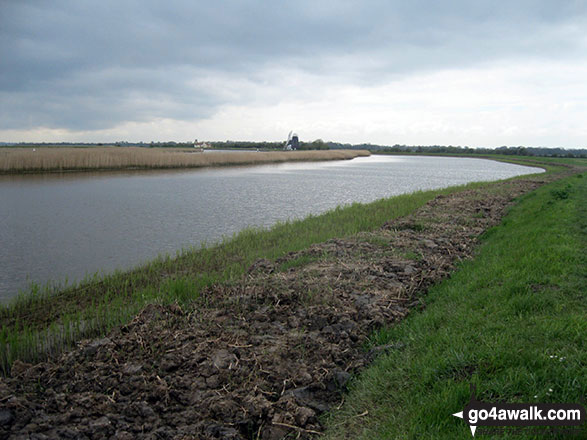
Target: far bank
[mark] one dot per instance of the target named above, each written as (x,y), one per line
(55,159)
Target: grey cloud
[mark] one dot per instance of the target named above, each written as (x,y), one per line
(91,100)
(91,65)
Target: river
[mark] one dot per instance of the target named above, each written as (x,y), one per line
(58,227)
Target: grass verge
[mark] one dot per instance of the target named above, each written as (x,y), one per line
(512,322)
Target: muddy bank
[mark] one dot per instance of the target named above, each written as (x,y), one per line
(261,358)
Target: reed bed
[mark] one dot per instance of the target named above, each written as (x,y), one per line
(113,158)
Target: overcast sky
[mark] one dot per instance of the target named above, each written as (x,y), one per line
(477,73)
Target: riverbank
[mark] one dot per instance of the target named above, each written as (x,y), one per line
(55,159)
(511,322)
(218,349)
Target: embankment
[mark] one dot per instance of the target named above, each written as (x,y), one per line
(510,322)
(256,338)
(52,159)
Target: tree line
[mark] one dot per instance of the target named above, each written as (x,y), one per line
(319,144)
(441,149)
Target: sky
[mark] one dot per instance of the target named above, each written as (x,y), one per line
(476,73)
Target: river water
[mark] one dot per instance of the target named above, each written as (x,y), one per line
(58,227)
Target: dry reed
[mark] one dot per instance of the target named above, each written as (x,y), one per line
(111,158)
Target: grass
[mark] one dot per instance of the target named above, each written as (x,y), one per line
(512,322)
(21,160)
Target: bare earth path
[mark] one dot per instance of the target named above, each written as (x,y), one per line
(262,358)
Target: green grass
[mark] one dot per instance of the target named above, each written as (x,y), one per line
(512,322)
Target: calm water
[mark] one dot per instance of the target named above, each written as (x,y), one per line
(58,227)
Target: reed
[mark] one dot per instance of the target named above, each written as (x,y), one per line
(18,160)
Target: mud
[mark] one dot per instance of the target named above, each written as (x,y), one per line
(261,358)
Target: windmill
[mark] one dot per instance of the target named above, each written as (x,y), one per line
(292,143)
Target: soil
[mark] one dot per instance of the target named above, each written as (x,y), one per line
(261,358)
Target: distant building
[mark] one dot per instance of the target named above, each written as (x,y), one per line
(201,146)
(293,142)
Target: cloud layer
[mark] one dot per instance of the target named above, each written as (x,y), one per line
(479,73)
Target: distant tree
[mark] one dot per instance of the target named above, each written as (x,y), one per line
(319,144)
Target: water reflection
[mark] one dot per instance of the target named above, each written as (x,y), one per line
(58,226)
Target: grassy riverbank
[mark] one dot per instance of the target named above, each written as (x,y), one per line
(53,159)
(44,320)
(511,322)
